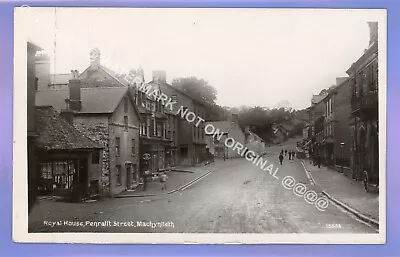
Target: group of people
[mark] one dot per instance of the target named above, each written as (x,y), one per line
(290,153)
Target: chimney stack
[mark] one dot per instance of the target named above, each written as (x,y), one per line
(74,85)
(94,59)
(373,32)
(159,76)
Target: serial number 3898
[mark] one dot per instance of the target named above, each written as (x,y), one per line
(333,226)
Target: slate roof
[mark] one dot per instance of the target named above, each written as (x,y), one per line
(55,133)
(94,99)
(154,83)
(60,79)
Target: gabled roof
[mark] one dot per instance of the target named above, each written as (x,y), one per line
(55,133)
(113,75)
(94,99)
(178,90)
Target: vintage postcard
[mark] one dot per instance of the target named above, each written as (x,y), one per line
(161,125)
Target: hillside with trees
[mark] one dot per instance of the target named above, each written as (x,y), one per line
(259,119)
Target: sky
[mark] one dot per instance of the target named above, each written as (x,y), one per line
(253,57)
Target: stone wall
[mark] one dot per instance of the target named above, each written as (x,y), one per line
(96,128)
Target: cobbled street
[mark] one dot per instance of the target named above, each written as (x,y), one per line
(237,197)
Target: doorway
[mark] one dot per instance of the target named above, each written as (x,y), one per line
(128,177)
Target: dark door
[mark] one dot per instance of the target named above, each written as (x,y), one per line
(128,177)
(83,177)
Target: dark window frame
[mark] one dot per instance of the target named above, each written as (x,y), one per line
(117,146)
(119,175)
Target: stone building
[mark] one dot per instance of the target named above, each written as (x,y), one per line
(108,116)
(316,111)
(364,106)
(228,129)
(337,139)
(32,49)
(69,164)
(253,142)
(191,139)
(158,128)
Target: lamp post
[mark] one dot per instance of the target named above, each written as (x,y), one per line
(341,147)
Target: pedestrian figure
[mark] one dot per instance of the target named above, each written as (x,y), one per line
(293,155)
(290,155)
(163,180)
(145,177)
(281,158)
(285,152)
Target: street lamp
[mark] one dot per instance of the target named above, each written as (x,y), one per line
(341,147)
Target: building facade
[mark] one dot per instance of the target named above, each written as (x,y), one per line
(337,140)
(32,49)
(228,129)
(364,105)
(191,139)
(68,162)
(108,116)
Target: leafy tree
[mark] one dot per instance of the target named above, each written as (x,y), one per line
(198,88)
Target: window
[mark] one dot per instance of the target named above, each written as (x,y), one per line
(36,83)
(153,127)
(119,180)
(173,135)
(126,122)
(143,128)
(159,129)
(96,157)
(126,105)
(117,146)
(133,146)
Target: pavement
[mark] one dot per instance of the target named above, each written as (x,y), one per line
(236,197)
(178,179)
(346,192)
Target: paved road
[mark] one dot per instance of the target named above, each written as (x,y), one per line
(237,197)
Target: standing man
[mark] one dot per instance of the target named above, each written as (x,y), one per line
(290,155)
(281,158)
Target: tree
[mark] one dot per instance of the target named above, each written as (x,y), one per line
(197,88)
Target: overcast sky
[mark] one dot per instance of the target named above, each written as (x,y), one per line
(251,56)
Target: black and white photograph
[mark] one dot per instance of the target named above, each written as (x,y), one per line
(162,125)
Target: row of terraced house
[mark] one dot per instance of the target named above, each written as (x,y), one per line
(94,132)
(343,123)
